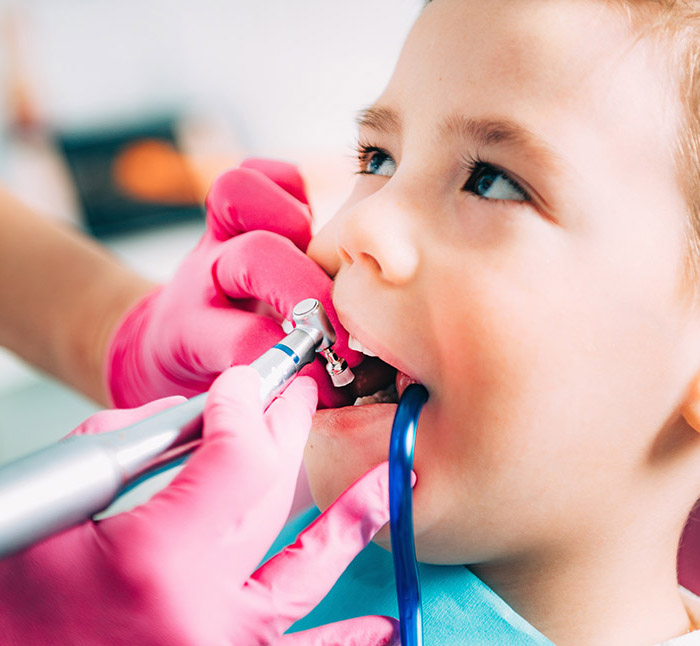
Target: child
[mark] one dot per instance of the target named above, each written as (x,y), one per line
(522,239)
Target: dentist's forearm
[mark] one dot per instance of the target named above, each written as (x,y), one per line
(61,295)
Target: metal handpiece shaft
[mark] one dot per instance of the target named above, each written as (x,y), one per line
(62,485)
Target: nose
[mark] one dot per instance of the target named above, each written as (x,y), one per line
(379,233)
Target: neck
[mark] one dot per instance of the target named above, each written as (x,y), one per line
(603,591)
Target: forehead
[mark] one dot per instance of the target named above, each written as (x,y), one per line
(540,64)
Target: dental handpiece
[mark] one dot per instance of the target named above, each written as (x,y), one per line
(69,482)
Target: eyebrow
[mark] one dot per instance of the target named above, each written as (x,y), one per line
(483,131)
(379,119)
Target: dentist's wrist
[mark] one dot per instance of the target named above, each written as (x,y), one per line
(124,374)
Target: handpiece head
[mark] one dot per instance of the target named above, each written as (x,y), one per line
(310,316)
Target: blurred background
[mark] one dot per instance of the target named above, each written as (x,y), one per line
(116,116)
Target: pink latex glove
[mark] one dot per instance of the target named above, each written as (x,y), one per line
(212,314)
(176,571)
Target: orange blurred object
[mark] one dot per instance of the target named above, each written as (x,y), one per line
(152,170)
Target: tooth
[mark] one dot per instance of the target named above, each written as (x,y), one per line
(354,344)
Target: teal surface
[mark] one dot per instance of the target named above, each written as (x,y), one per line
(458,608)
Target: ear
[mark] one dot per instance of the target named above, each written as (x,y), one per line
(691,406)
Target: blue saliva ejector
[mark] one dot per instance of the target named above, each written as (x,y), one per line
(69,482)
(403,550)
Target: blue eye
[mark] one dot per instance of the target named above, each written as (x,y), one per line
(492,183)
(375,161)
(485,180)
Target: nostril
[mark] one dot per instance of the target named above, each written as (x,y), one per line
(345,256)
(370,261)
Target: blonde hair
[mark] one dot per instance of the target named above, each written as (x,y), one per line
(677,24)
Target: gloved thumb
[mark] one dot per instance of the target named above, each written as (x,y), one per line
(285,175)
(303,573)
(359,631)
(245,199)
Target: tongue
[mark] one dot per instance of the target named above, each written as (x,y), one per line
(403,381)
(370,376)
(386,396)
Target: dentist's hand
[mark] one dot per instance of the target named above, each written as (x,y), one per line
(226,301)
(176,571)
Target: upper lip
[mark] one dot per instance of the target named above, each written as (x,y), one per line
(375,346)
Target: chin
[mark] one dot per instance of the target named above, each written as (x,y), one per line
(345,443)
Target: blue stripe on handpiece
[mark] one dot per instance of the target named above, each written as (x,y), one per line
(289,351)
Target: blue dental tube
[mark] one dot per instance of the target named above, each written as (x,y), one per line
(403,549)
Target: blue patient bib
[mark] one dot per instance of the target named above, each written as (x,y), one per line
(458,608)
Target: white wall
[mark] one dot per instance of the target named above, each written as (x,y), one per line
(291,74)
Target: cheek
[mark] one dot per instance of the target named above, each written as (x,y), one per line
(567,380)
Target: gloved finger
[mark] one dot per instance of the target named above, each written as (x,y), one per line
(236,458)
(295,406)
(374,630)
(259,516)
(240,338)
(246,200)
(110,420)
(231,472)
(267,267)
(281,173)
(302,574)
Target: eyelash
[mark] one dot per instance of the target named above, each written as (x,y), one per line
(470,164)
(364,155)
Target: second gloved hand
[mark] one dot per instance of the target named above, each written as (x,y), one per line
(226,300)
(180,569)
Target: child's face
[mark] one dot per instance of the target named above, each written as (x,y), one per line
(517,245)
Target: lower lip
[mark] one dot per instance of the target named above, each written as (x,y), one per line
(354,420)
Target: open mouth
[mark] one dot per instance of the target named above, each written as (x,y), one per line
(375,391)
(376,382)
